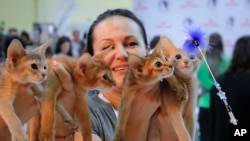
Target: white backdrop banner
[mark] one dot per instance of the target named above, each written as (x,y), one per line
(230,18)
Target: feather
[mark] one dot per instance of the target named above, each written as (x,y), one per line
(196,38)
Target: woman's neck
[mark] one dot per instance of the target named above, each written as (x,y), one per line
(114,97)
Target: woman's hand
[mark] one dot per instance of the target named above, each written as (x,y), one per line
(146,102)
(64,76)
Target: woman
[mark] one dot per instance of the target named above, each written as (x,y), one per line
(123,31)
(63,46)
(235,83)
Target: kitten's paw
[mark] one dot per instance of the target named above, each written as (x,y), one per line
(181,93)
(20,137)
(118,138)
(46,136)
(182,97)
(74,125)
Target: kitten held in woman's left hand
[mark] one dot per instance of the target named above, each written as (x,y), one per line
(22,69)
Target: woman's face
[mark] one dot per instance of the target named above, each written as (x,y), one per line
(65,47)
(124,36)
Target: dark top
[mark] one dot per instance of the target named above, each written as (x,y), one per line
(237,89)
(103,118)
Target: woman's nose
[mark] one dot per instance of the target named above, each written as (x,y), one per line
(121,52)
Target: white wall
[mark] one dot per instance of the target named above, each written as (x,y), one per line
(23,13)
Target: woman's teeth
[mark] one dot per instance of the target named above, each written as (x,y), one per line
(121,68)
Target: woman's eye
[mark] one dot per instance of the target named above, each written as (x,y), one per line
(104,48)
(132,44)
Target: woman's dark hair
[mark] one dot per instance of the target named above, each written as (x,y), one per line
(214,56)
(61,41)
(241,56)
(7,41)
(154,41)
(25,34)
(110,13)
(216,43)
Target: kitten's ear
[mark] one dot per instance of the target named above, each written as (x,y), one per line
(15,51)
(102,54)
(158,47)
(84,62)
(166,46)
(42,49)
(159,50)
(136,63)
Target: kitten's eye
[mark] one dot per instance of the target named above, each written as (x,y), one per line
(158,64)
(34,66)
(105,77)
(192,57)
(45,67)
(178,56)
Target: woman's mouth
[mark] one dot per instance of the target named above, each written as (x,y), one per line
(120,69)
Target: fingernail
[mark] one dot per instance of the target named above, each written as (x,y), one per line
(55,63)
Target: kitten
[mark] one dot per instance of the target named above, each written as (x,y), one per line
(163,44)
(87,73)
(142,72)
(22,69)
(181,110)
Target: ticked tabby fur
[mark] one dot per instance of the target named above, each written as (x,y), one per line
(22,69)
(87,73)
(180,104)
(142,72)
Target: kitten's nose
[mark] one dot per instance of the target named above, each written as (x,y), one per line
(185,62)
(43,75)
(114,83)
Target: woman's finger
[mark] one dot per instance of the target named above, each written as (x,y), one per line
(63,75)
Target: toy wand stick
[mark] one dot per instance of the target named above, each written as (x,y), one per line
(195,41)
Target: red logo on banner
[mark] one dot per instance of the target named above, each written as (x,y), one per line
(163,24)
(140,6)
(211,23)
(232,3)
(189,4)
(246,23)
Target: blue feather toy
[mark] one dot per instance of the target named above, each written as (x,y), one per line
(196,37)
(194,45)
